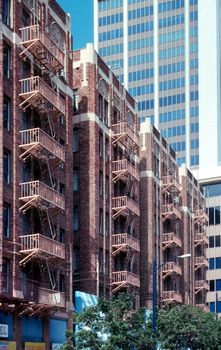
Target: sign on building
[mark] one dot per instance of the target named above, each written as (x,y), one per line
(3,330)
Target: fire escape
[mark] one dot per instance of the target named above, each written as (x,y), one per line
(40,151)
(201,264)
(125,207)
(170,240)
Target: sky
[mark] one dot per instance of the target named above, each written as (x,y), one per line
(81,12)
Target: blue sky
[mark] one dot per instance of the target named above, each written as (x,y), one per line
(81,12)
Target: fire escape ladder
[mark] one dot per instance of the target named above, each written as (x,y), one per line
(51,125)
(27,258)
(35,11)
(115,252)
(127,223)
(25,104)
(128,259)
(167,245)
(51,276)
(167,274)
(119,175)
(119,287)
(27,205)
(26,154)
(45,218)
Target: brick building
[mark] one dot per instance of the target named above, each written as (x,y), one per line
(106,180)
(35,154)
(70,186)
(172,224)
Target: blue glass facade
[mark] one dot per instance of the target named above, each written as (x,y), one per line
(156,64)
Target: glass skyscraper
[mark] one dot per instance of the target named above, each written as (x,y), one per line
(158,49)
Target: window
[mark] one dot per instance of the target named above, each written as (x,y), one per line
(217,215)
(218,284)
(25,18)
(106,113)
(62,189)
(211,286)
(100,106)
(75,140)
(101,184)
(62,142)
(107,225)
(75,218)
(218,263)
(218,306)
(75,101)
(6,166)
(6,60)
(61,283)
(212,306)
(100,260)
(107,262)
(6,111)
(101,145)
(6,219)
(107,192)
(6,9)
(106,150)
(5,273)
(194,160)
(217,241)
(211,264)
(76,259)
(75,180)
(211,242)
(213,190)
(101,222)
(211,216)
(62,236)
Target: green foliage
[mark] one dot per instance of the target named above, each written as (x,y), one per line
(112,325)
(186,326)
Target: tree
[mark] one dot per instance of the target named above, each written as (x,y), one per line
(112,325)
(186,326)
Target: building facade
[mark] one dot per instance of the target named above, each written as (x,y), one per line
(173,222)
(106,180)
(36,154)
(154,48)
(210,180)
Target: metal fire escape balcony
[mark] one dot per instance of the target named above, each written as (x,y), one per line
(39,144)
(171,240)
(123,241)
(36,41)
(200,216)
(37,194)
(125,135)
(36,93)
(200,238)
(170,211)
(170,184)
(122,168)
(51,297)
(201,262)
(39,246)
(201,285)
(123,206)
(42,297)
(123,279)
(171,269)
(171,297)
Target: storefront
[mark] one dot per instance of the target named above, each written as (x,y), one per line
(7,345)
(34,346)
